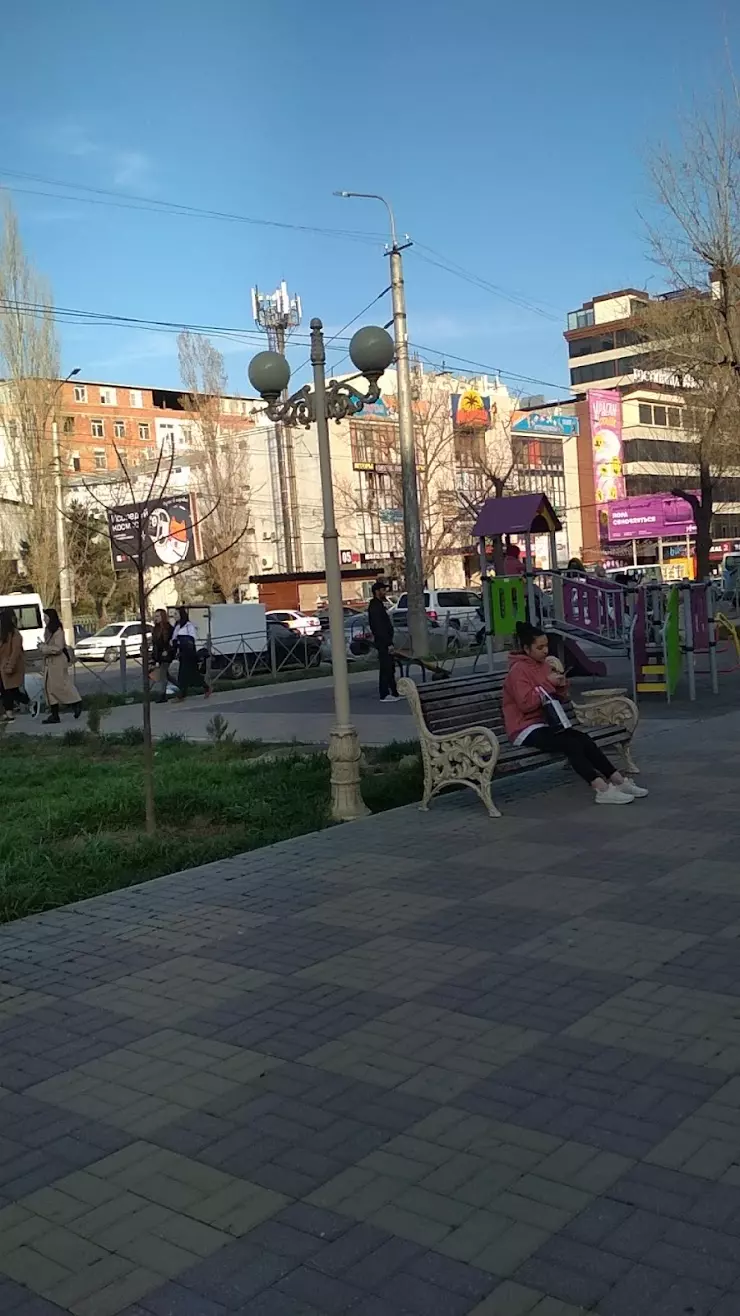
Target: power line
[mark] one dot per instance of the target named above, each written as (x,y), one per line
(340,332)
(487,369)
(517,299)
(131,201)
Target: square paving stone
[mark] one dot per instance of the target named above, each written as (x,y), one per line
(682,1024)
(423,1049)
(606,944)
(396,966)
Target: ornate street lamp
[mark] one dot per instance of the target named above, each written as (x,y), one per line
(371,351)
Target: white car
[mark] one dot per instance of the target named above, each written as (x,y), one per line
(459,608)
(295,621)
(105,645)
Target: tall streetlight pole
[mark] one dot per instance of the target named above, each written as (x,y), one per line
(417,617)
(65,574)
(371,351)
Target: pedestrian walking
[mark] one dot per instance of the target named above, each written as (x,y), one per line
(162,633)
(184,643)
(59,688)
(534,716)
(12,664)
(382,629)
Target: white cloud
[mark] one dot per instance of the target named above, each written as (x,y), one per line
(131,169)
(125,167)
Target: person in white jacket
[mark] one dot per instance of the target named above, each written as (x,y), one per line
(185,645)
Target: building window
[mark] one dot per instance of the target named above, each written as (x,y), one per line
(186,434)
(580,319)
(108,397)
(603,342)
(144,431)
(119,429)
(588,374)
(660,416)
(97,429)
(136,396)
(76,463)
(100,460)
(69,425)
(80,392)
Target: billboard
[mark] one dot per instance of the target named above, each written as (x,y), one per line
(470,410)
(652,516)
(544,423)
(163,530)
(605,414)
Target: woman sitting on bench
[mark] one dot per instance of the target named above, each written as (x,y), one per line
(534,716)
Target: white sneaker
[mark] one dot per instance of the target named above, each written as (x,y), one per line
(630,787)
(613,795)
(390,699)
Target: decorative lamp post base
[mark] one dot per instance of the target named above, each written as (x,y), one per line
(344,756)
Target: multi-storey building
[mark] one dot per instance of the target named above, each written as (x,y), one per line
(470,442)
(607,353)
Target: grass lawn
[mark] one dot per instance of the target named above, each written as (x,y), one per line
(73,813)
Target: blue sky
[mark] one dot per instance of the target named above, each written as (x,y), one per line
(511,139)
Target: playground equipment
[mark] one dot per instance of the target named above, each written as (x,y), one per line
(669,627)
(663,628)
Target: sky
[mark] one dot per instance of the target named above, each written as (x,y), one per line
(511,139)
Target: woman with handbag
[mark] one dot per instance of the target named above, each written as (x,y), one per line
(59,688)
(535,717)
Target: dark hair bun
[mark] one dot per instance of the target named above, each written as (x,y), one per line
(526,633)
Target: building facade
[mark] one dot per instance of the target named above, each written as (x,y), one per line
(608,357)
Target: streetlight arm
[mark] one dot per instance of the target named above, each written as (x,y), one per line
(375,196)
(341,400)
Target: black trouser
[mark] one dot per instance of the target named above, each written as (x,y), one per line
(387,672)
(580,750)
(13,696)
(188,674)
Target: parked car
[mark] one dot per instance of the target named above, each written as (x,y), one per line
(456,607)
(295,621)
(105,645)
(291,649)
(350,614)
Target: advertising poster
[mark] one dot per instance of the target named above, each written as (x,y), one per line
(161,530)
(652,516)
(470,410)
(605,414)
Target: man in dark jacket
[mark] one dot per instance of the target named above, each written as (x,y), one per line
(382,629)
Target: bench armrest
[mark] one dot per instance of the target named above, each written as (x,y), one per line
(480,742)
(614,711)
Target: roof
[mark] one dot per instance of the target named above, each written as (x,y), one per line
(516,516)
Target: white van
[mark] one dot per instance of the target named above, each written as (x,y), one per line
(29,615)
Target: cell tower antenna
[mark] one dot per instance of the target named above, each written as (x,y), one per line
(278,313)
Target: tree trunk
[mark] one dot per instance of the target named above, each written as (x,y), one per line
(149,814)
(702,507)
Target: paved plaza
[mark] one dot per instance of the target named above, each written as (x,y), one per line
(426,1064)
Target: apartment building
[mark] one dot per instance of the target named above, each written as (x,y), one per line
(611,368)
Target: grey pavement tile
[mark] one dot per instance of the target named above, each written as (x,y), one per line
(713,965)
(687,909)
(289,947)
(478,926)
(602,1096)
(396,966)
(608,944)
(538,994)
(684,1024)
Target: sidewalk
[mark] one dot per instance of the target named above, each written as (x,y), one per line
(430,1064)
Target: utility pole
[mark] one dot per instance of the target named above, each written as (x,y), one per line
(414,566)
(276,313)
(65,575)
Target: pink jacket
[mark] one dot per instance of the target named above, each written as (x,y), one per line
(521,704)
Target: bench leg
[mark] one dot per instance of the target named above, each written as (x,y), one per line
(632,767)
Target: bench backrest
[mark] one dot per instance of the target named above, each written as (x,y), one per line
(472,701)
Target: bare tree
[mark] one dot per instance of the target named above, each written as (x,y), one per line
(142,493)
(29,363)
(223,469)
(456,469)
(694,336)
